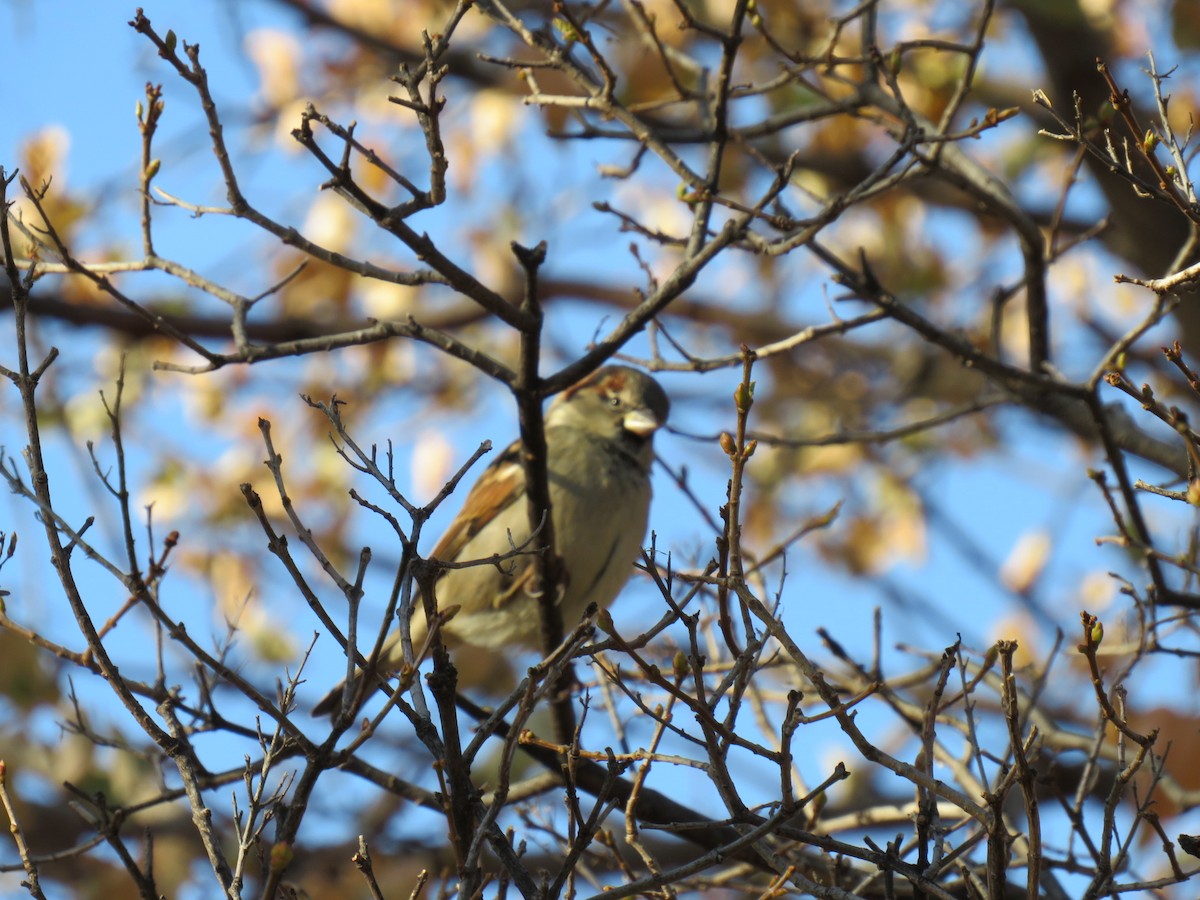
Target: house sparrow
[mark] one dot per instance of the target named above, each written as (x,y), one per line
(598,439)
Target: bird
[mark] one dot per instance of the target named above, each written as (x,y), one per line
(599,450)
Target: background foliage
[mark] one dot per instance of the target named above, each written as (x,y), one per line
(918,277)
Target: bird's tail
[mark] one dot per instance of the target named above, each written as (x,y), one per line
(331,703)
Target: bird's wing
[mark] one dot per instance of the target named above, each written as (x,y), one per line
(500,486)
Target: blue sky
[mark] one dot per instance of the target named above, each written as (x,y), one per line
(99,69)
(79,66)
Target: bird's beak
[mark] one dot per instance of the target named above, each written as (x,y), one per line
(641,422)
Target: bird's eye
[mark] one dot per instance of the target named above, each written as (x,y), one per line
(614,400)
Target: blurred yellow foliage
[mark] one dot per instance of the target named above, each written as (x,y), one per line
(277,54)
(1026,561)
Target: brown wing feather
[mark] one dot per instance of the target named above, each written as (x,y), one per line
(500,485)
